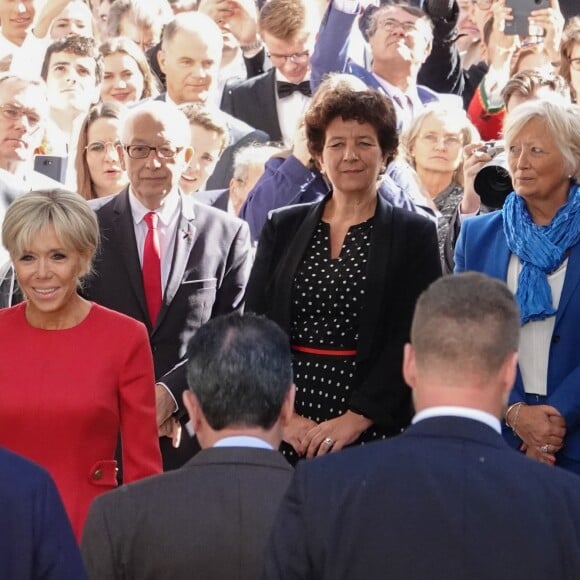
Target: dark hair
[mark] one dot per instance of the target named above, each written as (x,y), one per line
(239,368)
(368,106)
(370,18)
(78,45)
(527,82)
(466,321)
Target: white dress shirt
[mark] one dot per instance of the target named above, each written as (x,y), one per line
(456,411)
(290,110)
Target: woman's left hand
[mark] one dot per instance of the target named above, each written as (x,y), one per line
(332,435)
(537,454)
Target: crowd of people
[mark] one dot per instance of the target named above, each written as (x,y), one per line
(237,236)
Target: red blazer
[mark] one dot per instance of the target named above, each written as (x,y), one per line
(66,395)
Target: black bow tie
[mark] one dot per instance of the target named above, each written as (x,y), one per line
(286,89)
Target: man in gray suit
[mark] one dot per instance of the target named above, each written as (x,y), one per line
(211,518)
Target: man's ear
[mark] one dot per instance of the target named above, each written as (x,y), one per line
(161,60)
(409,365)
(287,409)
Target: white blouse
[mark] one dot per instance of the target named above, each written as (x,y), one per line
(536,336)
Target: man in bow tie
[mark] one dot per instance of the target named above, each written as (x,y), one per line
(275,100)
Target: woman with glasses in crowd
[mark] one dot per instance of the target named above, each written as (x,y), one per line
(98,165)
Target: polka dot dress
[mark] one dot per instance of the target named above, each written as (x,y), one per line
(327,299)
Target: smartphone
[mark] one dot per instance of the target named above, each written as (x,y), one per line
(521,10)
(52,166)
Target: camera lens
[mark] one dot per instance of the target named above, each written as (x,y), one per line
(493,182)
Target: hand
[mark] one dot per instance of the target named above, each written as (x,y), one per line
(164,404)
(504,44)
(539,425)
(551,21)
(473,161)
(296,429)
(45,14)
(538,454)
(240,17)
(171,428)
(341,431)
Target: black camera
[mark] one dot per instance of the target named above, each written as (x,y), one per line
(493,182)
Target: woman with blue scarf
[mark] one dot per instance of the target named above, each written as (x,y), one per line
(533,245)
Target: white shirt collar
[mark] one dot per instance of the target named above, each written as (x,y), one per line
(165,212)
(456,411)
(243,441)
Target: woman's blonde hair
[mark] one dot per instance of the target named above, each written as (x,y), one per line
(74,222)
(469,133)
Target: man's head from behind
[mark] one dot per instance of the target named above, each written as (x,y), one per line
(464,342)
(287,29)
(239,373)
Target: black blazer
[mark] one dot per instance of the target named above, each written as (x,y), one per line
(254,102)
(403,260)
(447,500)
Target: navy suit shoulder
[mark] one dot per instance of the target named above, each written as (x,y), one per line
(431,503)
(217,198)
(36,538)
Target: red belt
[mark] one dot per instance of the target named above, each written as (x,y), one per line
(323,351)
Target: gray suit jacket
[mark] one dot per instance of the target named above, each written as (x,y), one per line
(209,519)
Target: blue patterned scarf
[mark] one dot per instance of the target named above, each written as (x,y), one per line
(542,249)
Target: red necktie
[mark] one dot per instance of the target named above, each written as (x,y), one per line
(152,267)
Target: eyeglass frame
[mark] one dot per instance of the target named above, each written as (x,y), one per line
(113,144)
(448,140)
(487,4)
(34,125)
(296,58)
(150,148)
(388,23)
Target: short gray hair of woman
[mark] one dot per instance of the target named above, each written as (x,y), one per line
(561,120)
(74,222)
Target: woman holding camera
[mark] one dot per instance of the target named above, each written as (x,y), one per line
(533,244)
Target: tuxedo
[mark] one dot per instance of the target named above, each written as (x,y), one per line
(241,134)
(211,263)
(448,499)
(254,102)
(36,538)
(403,259)
(210,519)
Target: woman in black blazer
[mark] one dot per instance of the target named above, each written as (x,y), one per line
(342,276)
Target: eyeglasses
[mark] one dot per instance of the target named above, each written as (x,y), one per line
(14,113)
(282,59)
(390,24)
(575,64)
(483,4)
(448,140)
(99,147)
(143,151)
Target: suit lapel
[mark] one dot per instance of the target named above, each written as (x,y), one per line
(270,110)
(298,243)
(124,231)
(378,264)
(571,281)
(184,239)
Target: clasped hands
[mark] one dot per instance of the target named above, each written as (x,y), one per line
(311,439)
(542,430)
(167,424)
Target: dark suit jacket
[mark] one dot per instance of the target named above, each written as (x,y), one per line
(210,519)
(241,134)
(217,198)
(210,269)
(403,260)
(482,247)
(447,500)
(254,102)
(36,538)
